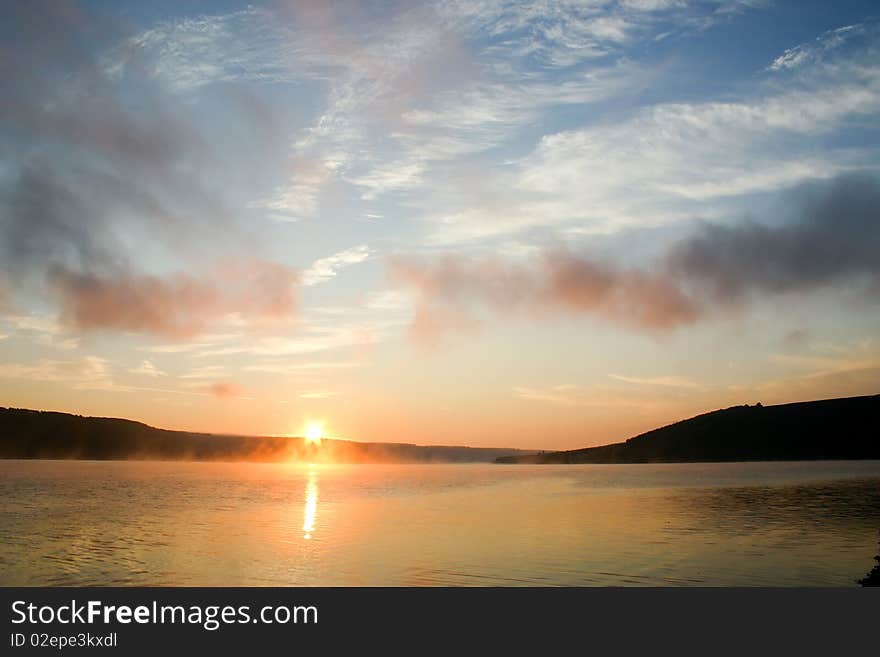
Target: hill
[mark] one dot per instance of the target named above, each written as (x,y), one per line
(847,428)
(27,434)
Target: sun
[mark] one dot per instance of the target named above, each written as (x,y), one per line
(314,433)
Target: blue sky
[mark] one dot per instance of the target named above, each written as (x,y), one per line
(539,224)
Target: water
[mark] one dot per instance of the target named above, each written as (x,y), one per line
(212,524)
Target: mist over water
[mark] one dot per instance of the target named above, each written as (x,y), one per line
(151,523)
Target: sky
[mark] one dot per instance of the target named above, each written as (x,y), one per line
(541,225)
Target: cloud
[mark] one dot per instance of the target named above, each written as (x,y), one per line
(147,368)
(565,394)
(673,161)
(372,74)
(113,175)
(390,177)
(88,372)
(312,338)
(205,341)
(297,198)
(600,397)
(629,296)
(84,164)
(831,359)
(452,291)
(107,172)
(225,390)
(478,117)
(326,268)
(827,43)
(248,45)
(44,329)
(831,235)
(564,34)
(286,367)
(663,381)
(176,306)
(415,86)
(389,114)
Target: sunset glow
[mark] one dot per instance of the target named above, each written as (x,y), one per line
(485,223)
(310,511)
(314,433)
(330,294)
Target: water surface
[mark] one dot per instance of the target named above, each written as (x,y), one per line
(150,523)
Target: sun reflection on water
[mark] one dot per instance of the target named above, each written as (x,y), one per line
(311,509)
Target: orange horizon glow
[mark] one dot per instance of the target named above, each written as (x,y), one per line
(509,422)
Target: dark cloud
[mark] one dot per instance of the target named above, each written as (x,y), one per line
(177,306)
(47,221)
(628,296)
(86,148)
(831,236)
(454,289)
(106,170)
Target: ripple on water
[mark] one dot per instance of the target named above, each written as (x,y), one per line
(79,523)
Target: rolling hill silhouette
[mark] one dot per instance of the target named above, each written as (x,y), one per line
(28,434)
(846,428)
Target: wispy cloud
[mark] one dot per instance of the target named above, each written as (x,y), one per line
(592,396)
(284,367)
(297,198)
(565,34)
(671,381)
(823,46)
(826,360)
(46,329)
(310,339)
(326,268)
(88,372)
(147,368)
(564,394)
(247,45)
(204,341)
(672,161)
(85,373)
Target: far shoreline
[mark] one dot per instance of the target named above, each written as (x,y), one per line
(433,463)
(845,429)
